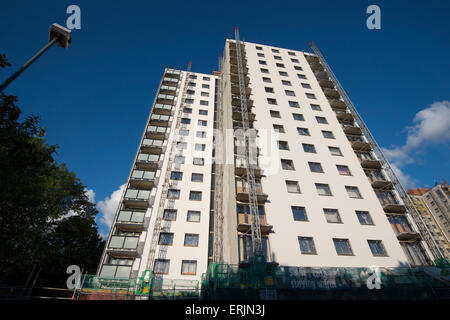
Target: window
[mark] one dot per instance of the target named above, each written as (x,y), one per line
(293,104)
(264,70)
(195,195)
(299,213)
(258,48)
(176,175)
(189,101)
(185,121)
(189,267)
(364,217)
(192,76)
(206,86)
(278,128)
(286,83)
(301,76)
(202,123)
(204,94)
(335,151)
(267,80)
(276,50)
(173,194)
(269,90)
(203,112)
(161,266)
(201,134)
(204,102)
(307,245)
(191,84)
(193,216)
(190,91)
(197,177)
(377,248)
(323,189)
(298,68)
(309,148)
(310,95)
(170,214)
(206,78)
(306,85)
(294,60)
(292,186)
(277,57)
(275,114)
(179,159)
(271,101)
(332,215)
(199,161)
(280,65)
(298,117)
(353,192)
(165,239)
(259,54)
(322,120)
(291,53)
(262,62)
(343,170)
(289,93)
(282,73)
(183,132)
(328,134)
(343,247)
(283,145)
(303,131)
(315,167)
(200,147)
(315,107)
(191,240)
(287,164)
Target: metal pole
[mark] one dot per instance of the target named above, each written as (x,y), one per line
(27,64)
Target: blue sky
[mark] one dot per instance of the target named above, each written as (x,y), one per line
(94,98)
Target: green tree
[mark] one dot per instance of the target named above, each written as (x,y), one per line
(46,219)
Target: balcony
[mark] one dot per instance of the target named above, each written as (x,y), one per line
(155,132)
(242,193)
(159,120)
(316,66)
(321,75)
(351,129)
(237,115)
(142,179)
(236,101)
(358,143)
(402,228)
(152,146)
(239,148)
(337,104)
(168,90)
(389,202)
(165,99)
(235,89)
(367,161)
(235,79)
(130,220)
(233,47)
(160,108)
(312,59)
(245,223)
(326,84)
(233,59)
(147,161)
(173,73)
(344,116)
(240,169)
(170,82)
(377,179)
(234,69)
(123,246)
(136,198)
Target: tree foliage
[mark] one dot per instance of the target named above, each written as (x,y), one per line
(46,219)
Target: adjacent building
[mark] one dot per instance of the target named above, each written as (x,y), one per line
(324,195)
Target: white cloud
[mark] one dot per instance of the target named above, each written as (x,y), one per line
(406,181)
(431,126)
(108,207)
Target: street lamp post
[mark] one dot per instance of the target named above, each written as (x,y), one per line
(57,34)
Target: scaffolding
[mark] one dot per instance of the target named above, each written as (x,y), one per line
(379,154)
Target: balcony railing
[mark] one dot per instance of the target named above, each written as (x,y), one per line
(146,161)
(236,101)
(152,146)
(173,73)
(242,192)
(137,198)
(351,129)
(337,104)
(402,228)
(167,90)
(344,116)
(159,120)
(358,143)
(377,179)
(155,132)
(316,66)
(367,161)
(165,99)
(326,84)
(130,220)
(170,82)
(240,168)
(160,108)
(123,246)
